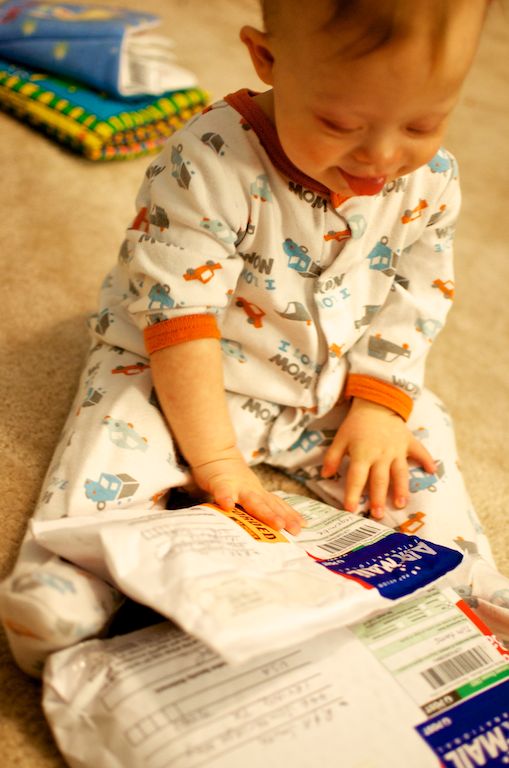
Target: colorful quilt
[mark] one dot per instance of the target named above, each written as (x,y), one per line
(90,122)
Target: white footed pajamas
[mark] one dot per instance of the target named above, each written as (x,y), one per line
(314,299)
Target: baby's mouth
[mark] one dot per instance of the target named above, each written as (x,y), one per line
(362,185)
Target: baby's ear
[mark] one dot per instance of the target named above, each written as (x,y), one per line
(258,44)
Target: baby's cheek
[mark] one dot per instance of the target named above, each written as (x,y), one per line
(423,153)
(305,150)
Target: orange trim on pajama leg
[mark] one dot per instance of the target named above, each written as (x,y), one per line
(180,329)
(377,391)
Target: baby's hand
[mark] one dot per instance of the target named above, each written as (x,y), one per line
(378,443)
(229,481)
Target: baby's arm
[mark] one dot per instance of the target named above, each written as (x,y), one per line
(378,444)
(188,378)
(388,360)
(188,188)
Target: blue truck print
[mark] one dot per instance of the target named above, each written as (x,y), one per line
(421,480)
(382,258)
(159,295)
(299,259)
(110,488)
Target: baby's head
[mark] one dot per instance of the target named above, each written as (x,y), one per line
(362,89)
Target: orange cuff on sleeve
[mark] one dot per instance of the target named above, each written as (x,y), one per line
(376,391)
(179,329)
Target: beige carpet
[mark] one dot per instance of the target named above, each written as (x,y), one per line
(61,226)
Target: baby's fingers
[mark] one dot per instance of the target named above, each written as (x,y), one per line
(356,478)
(293,521)
(224,494)
(272,511)
(378,486)
(419,453)
(333,458)
(399,480)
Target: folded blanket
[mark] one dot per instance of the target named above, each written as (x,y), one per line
(92,123)
(109,48)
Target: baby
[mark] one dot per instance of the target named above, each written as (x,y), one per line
(345,193)
(276,296)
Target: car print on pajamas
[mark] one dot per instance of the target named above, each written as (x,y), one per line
(141,221)
(123,434)
(435,217)
(232,348)
(357,224)
(153,318)
(429,328)
(159,296)
(412,214)
(260,189)
(385,350)
(214,141)
(254,313)
(223,232)
(126,252)
(35,579)
(335,350)
(413,523)
(131,370)
(446,288)
(110,488)
(300,260)
(103,322)
(340,235)
(204,273)
(382,258)
(421,433)
(179,169)
(370,311)
(440,163)
(421,480)
(243,231)
(92,397)
(296,311)
(54,485)
(158,217)
(154,170)
(313,437)
(302,475)
(403,282)
(470,547)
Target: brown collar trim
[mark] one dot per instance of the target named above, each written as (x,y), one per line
(243,103)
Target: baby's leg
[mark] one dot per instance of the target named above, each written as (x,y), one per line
(115,452)
(439,507)
(440,503)
(48,603)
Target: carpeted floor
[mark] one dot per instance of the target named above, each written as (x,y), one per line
(63,222)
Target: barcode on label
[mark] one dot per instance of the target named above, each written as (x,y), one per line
(460,665)
(348,540)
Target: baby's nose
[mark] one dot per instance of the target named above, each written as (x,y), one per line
(381,154)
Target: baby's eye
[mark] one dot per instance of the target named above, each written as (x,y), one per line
(422,130)
(336,127)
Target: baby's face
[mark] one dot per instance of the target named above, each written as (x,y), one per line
(354,124)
